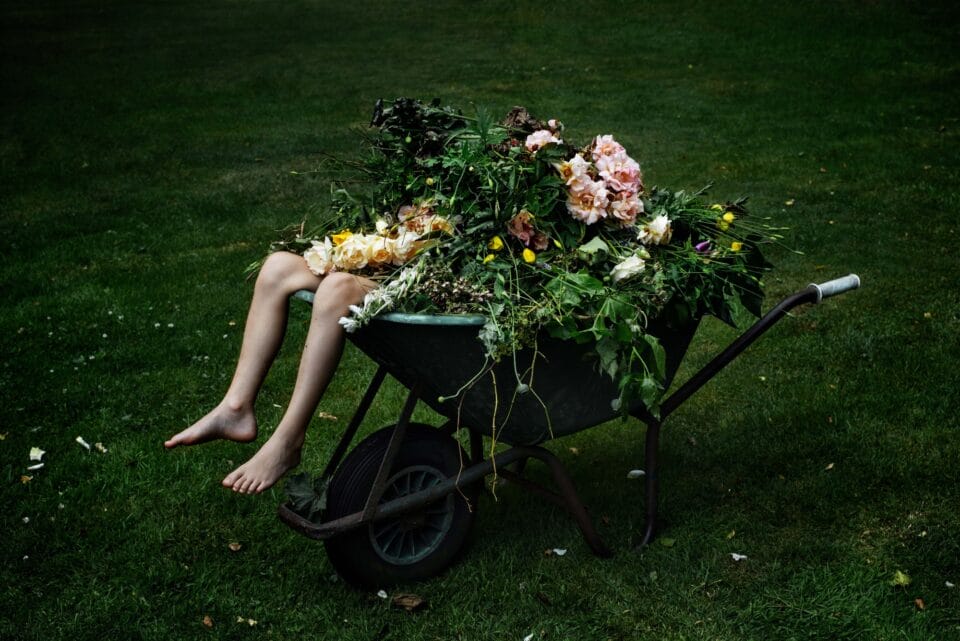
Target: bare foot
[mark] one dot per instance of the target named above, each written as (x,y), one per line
(277,456)
(222,422)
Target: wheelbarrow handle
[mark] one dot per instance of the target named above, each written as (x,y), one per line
(835,286)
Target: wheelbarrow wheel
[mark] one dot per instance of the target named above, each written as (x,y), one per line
(415,545)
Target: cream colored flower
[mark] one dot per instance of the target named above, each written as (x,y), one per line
(351,254)
(656,232)
(378,250)
(319,257)
(574,170)
(538,139)
(588,201)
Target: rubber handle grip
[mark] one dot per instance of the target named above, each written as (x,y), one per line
(836,286)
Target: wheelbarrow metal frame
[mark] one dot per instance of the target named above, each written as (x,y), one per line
(479,467)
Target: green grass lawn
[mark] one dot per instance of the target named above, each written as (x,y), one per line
(147,152)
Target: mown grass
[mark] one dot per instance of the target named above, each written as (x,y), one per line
(147,152)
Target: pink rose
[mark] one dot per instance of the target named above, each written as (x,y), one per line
(606,146)
(621,172)
(588,200)
(625,207)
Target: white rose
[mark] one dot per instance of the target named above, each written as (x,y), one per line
(631,266)
(656,232)
(319,257)
(351,254)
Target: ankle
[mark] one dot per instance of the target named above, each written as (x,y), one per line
(237,406)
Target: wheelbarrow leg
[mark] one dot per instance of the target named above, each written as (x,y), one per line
(651,480)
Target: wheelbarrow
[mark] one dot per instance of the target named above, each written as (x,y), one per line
(401,503)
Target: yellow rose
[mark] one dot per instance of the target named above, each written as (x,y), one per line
(342,236)
(729,217)
(723,225)
(736,246)
(716,207)
(529,256)
(496,243)
(488,258)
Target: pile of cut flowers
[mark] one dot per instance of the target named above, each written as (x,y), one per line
(510,219)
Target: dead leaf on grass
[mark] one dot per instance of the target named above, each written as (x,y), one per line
(900,579)
(409,602)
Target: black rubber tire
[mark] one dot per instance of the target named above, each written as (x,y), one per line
(425,453)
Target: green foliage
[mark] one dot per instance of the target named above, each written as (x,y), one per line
(148,151)
(547,269)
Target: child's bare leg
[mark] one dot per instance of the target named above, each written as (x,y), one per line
(321,353)
(282,274)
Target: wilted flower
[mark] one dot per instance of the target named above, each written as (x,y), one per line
(656,232)
(521,228)
(702,247)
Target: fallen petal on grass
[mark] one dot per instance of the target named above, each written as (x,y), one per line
(100,447)
(738,557)
(326,416)
(635,474)
(382,594)
(83,443)
(234,546)
(920,604)
(34,468)
(36,453)
(207,621)
(949,585)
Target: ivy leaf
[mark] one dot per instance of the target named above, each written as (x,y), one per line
(607,349)
(659,355)
(594,246)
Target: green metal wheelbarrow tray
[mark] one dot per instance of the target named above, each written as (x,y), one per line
(401,504)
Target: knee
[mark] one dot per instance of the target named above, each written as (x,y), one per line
(278,270)
(338,291)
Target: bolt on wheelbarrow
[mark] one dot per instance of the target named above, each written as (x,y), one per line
(401,503)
